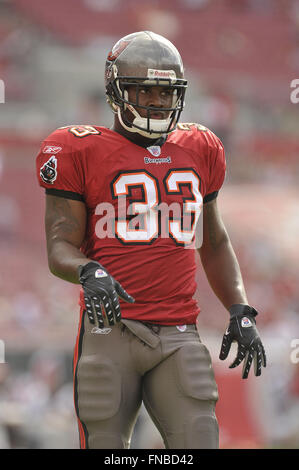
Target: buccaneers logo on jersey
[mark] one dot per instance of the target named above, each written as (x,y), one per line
(48,171)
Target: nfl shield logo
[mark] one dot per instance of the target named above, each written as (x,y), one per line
(100,273)
(246,322)
(155,150)
(182,328)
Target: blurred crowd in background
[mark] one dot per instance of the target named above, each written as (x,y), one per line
(240,58)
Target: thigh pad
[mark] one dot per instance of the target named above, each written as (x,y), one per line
(99,388)
(194,373)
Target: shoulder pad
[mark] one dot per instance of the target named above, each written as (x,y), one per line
(81,130)
(190,126)
(75,136)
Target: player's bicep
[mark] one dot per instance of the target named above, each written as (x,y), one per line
(65,220)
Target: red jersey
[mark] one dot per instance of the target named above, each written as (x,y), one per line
(142,208)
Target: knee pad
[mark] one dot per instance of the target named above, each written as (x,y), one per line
(202,432)
(107,441)
(196,380)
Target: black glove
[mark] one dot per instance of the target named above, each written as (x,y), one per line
(242,329)
(101,292)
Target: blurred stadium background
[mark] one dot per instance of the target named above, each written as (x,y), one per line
(240,58)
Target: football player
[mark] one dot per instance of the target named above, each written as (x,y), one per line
(107,228)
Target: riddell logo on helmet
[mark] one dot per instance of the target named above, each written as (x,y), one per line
(154,73)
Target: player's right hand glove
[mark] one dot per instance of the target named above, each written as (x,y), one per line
(242,329)
(101,292)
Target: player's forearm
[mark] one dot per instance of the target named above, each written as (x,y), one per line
(64,260)
(223,273)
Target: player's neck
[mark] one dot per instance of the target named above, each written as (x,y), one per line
(136,138)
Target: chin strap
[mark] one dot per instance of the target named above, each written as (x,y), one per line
(142,122)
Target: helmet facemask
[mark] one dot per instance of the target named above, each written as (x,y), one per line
(117,92)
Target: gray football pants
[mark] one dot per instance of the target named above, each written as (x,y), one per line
(169,370)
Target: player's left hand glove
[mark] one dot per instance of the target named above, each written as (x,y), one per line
(242,329)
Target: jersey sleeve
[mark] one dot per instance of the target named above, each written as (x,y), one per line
(217,168)
(59,169)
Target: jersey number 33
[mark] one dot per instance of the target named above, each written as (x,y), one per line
(148,218)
